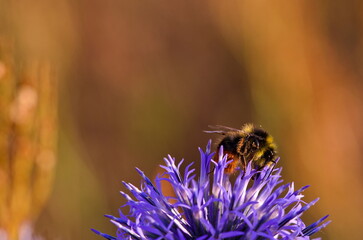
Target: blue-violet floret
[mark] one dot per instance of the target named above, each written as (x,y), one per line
(213,205)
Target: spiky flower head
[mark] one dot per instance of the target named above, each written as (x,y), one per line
(210,205)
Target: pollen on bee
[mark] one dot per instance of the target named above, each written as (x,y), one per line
(233,165)
(259,153)
(247,128)
(269,139)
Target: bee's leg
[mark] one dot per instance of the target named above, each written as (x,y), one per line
(259,166)
(244,165)
(273,167)
(212,170)
(244,171)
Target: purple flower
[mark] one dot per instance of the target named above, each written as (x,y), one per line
(211,205)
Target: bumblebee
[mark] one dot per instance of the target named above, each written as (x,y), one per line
(248,144)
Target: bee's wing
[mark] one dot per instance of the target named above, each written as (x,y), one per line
(219,132)
(221,129)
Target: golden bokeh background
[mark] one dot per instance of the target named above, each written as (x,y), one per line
(89,90)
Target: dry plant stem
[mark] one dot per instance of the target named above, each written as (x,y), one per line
(6,91)
(27,141)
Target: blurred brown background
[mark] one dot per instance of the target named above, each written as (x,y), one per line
(138,80)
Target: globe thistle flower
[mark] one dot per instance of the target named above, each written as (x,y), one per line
(211,205)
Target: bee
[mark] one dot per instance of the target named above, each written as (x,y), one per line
(248,144)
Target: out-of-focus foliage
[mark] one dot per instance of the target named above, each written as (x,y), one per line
(139,80)
(28,133)
(28,121)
